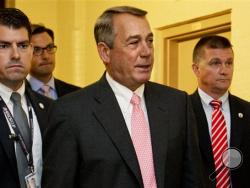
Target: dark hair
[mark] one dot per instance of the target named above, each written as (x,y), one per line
(213,41)
(38,28)
(104,31)
(14,18)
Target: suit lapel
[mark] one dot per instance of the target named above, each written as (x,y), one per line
(110,116)
(237,122)
(204,137)
(6,142)
(158,122)
(59,89)
(39,108)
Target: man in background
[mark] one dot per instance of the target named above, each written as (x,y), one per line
(23,112)
(122,131)
(41,77)
(223,119)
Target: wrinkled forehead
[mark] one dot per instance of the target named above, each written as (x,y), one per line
(130,24)
(221,53)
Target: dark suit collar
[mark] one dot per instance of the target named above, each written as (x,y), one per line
(158,120)
(7,143)
(204,137)
(108,112)
(237,121)
(39,108)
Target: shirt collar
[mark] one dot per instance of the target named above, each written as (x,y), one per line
(207,98)
(37,84)
(6,92)
(122,91)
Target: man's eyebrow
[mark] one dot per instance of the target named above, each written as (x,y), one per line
(133,37)
(150,35)
(138,36)
(8,42)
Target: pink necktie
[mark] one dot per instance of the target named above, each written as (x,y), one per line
(219,145)
(46,90)
(140,134)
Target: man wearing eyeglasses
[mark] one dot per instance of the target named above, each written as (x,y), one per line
(41,77)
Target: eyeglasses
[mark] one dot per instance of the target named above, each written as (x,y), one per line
(50,49)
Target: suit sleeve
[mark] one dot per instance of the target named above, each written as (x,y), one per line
(59,151)
(192,161)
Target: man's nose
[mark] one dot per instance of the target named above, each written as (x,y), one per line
(146,50)
(15,52)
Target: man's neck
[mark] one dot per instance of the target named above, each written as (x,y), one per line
(13,85)
(44,79)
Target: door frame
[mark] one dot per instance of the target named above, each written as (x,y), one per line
(170,37)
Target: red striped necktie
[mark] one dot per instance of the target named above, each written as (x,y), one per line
(219,145)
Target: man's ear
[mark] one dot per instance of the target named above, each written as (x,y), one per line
(104,52)
(195,68)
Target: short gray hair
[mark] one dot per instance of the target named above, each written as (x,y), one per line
(104,31)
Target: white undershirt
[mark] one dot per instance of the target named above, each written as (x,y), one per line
(123,96)
(5,93)
(205,100)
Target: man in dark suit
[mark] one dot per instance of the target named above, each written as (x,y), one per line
(213,62)
(15,58)
(92,139)
(41,77)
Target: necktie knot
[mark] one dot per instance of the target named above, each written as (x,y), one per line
(46,89)
(135,100)
(16,98)
(216,104)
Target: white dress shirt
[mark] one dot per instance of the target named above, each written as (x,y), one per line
(123,96)
(205,100)
(5,93)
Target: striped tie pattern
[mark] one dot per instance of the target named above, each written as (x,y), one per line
(140,134)
(219,145)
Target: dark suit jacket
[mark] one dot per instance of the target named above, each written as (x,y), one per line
(63,88)
(8,163)
(87,144)
(240,139)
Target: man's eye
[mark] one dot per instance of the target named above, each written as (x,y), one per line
(50,48)
(150,42)
(23,45)
(4,46)
(133,42)
(37,49)
(229,63)
(215,62)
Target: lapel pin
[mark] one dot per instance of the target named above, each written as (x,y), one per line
(41,105)
(240,115)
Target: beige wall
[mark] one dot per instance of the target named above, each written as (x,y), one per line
(73,21)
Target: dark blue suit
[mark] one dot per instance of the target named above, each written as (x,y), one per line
(239,138)
(87,144)
(8,162)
